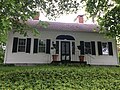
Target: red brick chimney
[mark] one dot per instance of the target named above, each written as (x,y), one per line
(79,19)
(36,17)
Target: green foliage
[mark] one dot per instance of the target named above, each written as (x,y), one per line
(2,51)
(14,13)
(111,22)
(107,13)
(1,55)
(59,78)
(119,55)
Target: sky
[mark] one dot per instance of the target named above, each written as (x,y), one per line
(67,18)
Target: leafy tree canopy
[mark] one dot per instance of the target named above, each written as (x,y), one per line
(107,13)
(12,12)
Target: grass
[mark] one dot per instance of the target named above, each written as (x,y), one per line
(61,77)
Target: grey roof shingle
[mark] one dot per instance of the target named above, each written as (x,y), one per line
(65,26)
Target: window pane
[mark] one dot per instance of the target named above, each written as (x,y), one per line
(41,45)
(87,48)
(41,49)
(63,48)
(22,41)
(21,45)
(105,49)
(67,48)
(73,47)
(21,48)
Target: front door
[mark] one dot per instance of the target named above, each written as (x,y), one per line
(65,51)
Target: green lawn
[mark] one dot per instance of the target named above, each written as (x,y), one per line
(61,77)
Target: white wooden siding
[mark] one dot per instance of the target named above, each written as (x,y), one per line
(22,57)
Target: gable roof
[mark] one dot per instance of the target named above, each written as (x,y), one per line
(65,26)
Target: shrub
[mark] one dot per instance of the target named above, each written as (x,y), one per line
(1,55)
(119,55)
(59,78)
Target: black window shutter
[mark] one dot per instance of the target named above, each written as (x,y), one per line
(93,48)
(57,47)
(99,48)
(73,47)
(28,45)
(110,48)
(35,48)
(15,42)
(48,44)
(82,47)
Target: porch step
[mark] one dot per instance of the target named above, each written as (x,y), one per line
(68,62)
(84,62)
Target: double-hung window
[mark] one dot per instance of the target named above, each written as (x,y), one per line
(87,48)
(105,48)
(41,46)
(21,45)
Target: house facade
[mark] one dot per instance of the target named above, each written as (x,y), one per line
(67,41)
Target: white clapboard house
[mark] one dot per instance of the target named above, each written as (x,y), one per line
(67,42)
